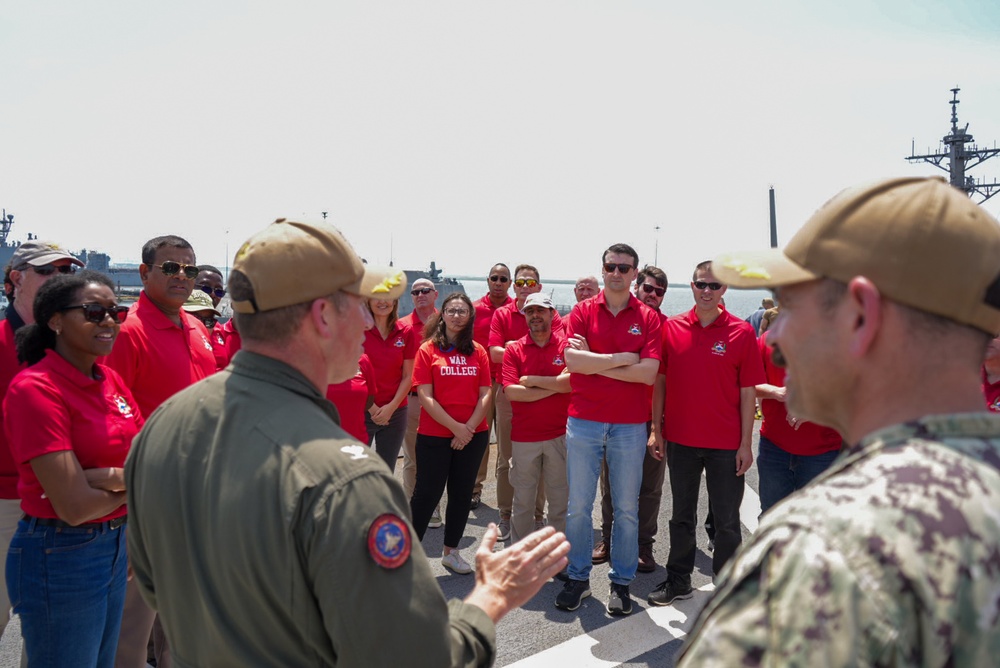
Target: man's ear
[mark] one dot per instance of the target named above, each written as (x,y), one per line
(323,314)
(865,302)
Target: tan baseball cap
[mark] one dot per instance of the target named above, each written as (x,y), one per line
(292,262)
(37,253)
(922,242)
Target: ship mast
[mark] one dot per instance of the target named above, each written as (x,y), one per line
(5,224)
(959,158)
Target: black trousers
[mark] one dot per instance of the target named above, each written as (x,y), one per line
(438,465)
(725,494)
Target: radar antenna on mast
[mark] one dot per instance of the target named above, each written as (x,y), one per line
(959,158)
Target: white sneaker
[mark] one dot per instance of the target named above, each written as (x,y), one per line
(453,561)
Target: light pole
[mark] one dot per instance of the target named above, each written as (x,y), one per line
(656,246)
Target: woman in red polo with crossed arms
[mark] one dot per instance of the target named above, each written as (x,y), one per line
(70,423)
(452,375)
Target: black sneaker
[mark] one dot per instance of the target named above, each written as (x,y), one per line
(620,601)
(667,592)
(574,591)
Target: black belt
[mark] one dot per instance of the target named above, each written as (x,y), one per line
(413,394)
(52,522)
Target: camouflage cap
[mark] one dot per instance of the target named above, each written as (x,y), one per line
(292,262)
(922,242)
(200,301)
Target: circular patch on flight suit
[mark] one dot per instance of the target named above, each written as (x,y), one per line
(389,541)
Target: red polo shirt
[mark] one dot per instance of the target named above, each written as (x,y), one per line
(509,324)
(58,408)
(544,419)
(635,329)
(810,438)
(9,367)
(232,339)
(156,358)
(705,368)
(455,379)
(416,325)
(387,356)
(218,339)
(351,396)
(481,328)
(991,392)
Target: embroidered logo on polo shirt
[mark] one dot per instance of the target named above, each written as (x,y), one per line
(355,451)
(399,342)
(122,405)
(558,361)
(635,330)
(389,541)
(995,405)
(208,344)
(719,347)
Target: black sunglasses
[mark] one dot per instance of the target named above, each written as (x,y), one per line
(421,291)
(209,290)
(49,269)
(497,278)
(701,285)
(647,288)
(621,267)
(171,268)
(96,313)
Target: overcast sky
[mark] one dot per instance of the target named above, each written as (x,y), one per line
(474,132)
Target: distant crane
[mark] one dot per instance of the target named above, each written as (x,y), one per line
(959,158)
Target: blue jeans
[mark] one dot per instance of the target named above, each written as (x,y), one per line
(623,446)
(68,586)
(781,472)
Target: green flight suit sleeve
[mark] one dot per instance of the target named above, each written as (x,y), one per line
(374,615)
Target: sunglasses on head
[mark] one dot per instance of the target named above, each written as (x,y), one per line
(647,288)
(49,269)
(209,290)
(171,268)
(497,278)
(96,313)
(421,291)
(620,266)
(521,282)
(713,286)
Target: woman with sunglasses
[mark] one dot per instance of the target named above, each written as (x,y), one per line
(452,375)
(70,423)
(390,347)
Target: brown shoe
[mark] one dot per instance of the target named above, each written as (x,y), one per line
(646,562)
(600,554)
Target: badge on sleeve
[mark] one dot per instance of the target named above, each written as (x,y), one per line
(389,541)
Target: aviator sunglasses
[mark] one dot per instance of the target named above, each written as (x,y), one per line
(701,285)
(171,268)
(96,313)
(647,288)
(497,278)
(521,282)
(620,266)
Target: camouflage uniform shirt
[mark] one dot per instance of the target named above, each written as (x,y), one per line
(890,558)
